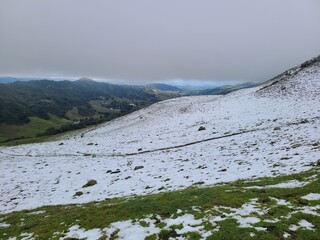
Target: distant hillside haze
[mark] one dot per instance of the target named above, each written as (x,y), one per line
(40,103)
(165,87)
(227,89)
(31,108)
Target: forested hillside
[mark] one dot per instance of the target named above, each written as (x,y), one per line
(43,107)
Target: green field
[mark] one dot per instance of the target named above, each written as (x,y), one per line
(31,129)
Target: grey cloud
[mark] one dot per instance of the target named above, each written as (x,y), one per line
(154,40)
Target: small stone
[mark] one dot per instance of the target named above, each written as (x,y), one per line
(78,194)
(138,167)
(223,170)
(296,145)
(201,128)
(90,183)
(116,171)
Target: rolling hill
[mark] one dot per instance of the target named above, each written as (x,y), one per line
(45,107)
(254,152)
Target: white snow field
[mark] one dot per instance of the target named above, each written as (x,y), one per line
(268,130)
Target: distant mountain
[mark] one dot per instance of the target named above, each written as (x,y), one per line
(227,89)
(13,79)
(165,87)
(7,79)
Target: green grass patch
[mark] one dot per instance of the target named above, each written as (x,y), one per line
(31,129)
(205,199)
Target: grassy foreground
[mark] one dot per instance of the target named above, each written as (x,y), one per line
(275,219)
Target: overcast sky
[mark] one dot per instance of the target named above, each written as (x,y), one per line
(148,40)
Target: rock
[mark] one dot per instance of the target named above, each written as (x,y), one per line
(90,183)
(140,149)
(78,194)
(277,128)
(138,167)
(61,144)
(201,128)
(223,170)
(304,121)
(116,171)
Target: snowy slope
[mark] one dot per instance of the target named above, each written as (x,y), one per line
(263,131)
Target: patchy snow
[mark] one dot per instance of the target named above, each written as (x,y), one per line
(4,225)
(36,212)
(269,130)
(305,224)
(302,224)
(247,216)
(186,219)
(190,224)
(75,232)
(272,220)
(312,196)
(280,201)
(242,214)
(311,210)
(132,230)
(288,184)
(246,222)
(286,235)
(26,236)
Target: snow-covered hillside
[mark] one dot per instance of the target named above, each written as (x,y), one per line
(263,131)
